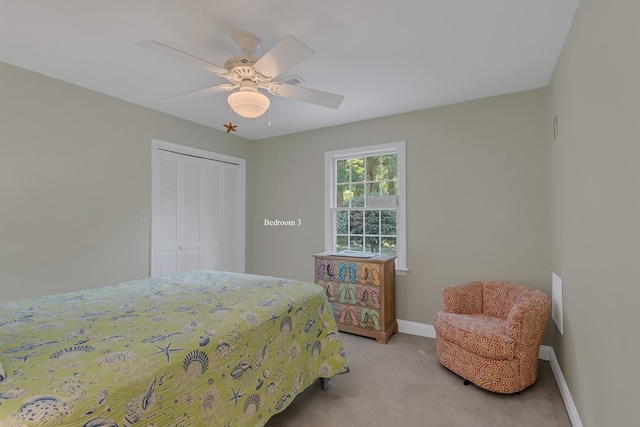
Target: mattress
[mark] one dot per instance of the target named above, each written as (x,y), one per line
(201,348)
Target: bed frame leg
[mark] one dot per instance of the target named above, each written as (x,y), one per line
(325,383)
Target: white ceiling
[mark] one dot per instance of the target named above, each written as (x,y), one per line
(386,57)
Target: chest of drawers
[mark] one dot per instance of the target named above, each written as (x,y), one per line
(361,291)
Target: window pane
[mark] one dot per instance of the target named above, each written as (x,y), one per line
(343,195)
(389,245)
(342,222)
(355,243)
(388,222)
(373,168)
(389,188)
(373,189)
(358,195)
(389,166)
(372,223)
(357,169)
(355,222)
(371,243)
(342,243)
(342,171)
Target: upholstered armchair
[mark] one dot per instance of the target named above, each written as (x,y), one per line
(490,333)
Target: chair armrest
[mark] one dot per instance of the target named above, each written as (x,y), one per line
(528,318)
(463,299)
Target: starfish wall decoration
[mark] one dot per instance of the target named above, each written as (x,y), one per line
(230,126)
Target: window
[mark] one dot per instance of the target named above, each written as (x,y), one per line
(365,200)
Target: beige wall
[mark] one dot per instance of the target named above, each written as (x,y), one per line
(476,197)
(75,170)
(595,165)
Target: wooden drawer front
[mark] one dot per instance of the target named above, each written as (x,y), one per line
(369,273)
(353,293)
(355,315)
(351,272)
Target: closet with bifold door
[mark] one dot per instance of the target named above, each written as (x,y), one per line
(197,212)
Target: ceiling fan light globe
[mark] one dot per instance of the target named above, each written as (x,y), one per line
(249,104)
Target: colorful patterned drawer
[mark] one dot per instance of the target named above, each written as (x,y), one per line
(361,291)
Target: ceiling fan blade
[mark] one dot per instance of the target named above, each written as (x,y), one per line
(183,56)
(312,96)
(284,55)
(212,90)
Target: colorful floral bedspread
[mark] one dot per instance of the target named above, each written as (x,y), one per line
(201,348)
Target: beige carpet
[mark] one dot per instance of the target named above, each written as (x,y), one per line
(402,384)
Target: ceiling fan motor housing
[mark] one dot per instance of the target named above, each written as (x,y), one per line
(241,69)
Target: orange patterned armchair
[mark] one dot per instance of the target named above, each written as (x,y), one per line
(490,333)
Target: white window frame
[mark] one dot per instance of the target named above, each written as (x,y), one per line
(330,162)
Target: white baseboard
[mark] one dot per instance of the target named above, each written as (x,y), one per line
(413,328)
(574,417)
(546,353)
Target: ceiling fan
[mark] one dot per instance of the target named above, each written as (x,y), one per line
(249,76)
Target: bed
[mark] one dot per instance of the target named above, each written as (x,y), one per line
(201,348)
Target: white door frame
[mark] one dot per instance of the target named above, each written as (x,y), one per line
(156,146)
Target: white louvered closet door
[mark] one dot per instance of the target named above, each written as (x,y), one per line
(212,218)
(230,227)
(166,232)
(190,220)
(197,215)
(221,233)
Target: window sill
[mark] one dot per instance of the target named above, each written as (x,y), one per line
(402,271)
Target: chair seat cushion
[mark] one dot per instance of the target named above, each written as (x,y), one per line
(478,333)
